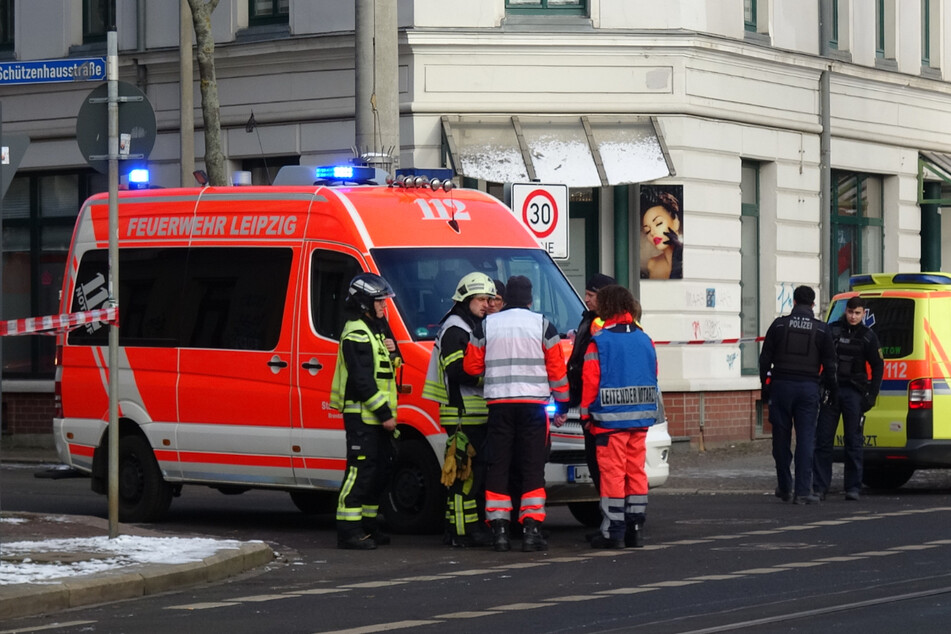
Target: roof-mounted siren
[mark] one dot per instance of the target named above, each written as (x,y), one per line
(417,178)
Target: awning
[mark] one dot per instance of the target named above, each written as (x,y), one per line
(932,165)
(578,151)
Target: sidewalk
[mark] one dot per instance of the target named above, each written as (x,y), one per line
(103,570)
(53,562)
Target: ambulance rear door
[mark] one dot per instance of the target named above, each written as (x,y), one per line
(319,444)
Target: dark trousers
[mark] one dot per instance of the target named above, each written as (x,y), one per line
(591,457)
(517,440)
(849,407)
(369,456)
(794,405)
(465,500)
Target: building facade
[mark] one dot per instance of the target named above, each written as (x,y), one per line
(778,142)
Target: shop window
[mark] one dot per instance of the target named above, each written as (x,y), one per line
(99,16)
(749,266)
(857,227)
(553,7)
(39,212)
(6,25)
(268,12)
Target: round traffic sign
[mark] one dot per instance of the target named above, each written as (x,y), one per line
(136,118)
(540,213)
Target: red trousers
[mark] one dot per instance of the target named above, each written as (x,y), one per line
(621,458)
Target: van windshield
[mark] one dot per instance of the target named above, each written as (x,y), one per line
(425,279)
(891,318)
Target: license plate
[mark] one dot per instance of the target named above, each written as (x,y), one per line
(579,473)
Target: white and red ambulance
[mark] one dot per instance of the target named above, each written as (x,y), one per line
(230,306)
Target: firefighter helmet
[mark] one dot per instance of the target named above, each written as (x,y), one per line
(473,284)
(365,289)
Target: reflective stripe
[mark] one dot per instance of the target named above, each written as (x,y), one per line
(345,513)
(613,509)
(497,506)
(648,415)
(635,504)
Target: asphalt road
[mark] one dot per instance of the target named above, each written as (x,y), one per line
(724,562)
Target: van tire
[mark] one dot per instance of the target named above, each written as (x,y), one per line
(144,496)
(314,502)
(415,499)
(588,513)
(886,477)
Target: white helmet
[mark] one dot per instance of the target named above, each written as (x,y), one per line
(473,284)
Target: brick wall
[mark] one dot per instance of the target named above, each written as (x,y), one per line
(725,416)
(25,413)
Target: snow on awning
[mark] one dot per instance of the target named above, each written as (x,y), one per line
(578,151)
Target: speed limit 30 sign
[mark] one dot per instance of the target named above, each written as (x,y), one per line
(544,210)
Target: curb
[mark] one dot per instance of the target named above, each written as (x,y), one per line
(29,599)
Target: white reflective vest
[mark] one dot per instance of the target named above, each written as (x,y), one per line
(515,357)
(436,387)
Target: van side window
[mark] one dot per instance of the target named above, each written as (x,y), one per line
(231,298)
(331,272)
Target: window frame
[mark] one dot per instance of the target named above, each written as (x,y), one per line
(860,222)
(926,33)
(750,213)
(275,17)
(7,25)
(543,8)
(91,36)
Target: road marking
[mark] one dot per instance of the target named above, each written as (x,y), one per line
(514,607)
(202,606)
(628,590)
(574,597)
(758,571)
(423,578)
(840,558)
(801,564)
(715,577)
(41,628)
(259,598)
(383,627)
(915,547)
(319,591)
(733,536)
(469,573)
(527,564)
(373,584)
(673,584)
(465,615)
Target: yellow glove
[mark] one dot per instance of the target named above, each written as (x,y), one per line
(449,463)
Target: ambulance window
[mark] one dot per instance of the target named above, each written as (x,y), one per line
(234,298)
(150,288)
(893,320)
(331,272)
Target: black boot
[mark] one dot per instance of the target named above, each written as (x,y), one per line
(355,540)
(532,538)
(634,535)
(500,536)
(374,530)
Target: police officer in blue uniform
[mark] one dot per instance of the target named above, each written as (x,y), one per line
(860,370)
(797,352)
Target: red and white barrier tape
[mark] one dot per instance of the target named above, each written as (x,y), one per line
(697,342)
(51,324)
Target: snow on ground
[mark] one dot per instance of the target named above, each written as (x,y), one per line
(106,554)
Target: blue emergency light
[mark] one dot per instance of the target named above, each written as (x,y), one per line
(139,179)
(344,173)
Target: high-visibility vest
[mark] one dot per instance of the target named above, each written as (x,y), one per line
(436,387)
(356,330)
(627,395)
(515,357)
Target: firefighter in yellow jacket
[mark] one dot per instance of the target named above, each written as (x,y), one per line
(462,411)
(364,390)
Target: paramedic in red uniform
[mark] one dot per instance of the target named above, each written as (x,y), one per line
(364,390)
(524,367)
(462,405)
(618,404)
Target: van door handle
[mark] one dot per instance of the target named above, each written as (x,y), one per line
(277,364)
(313,366)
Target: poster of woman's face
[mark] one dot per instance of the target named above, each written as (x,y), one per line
(662,232)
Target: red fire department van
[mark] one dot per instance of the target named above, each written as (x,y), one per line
(230,306)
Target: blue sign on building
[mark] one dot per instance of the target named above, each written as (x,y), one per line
(53,70)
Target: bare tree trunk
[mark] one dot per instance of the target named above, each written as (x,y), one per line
(210,107)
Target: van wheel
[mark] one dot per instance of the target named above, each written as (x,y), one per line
(144,496)
(414,501)
(588,513)
(314,502)
(886,477)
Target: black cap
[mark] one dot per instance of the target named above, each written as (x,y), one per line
(599,281)
(499,288)
(518,291)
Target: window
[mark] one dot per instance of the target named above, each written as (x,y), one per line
(885,31)
(424,281)
(749,266)
(268,11)
(834,35)
(99,16)
(892,319)
(6,25)
(749,15)
(39,212)
(925,32)
(880,29)
(560,7)
(857,227)
(220,298)
(331,273)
